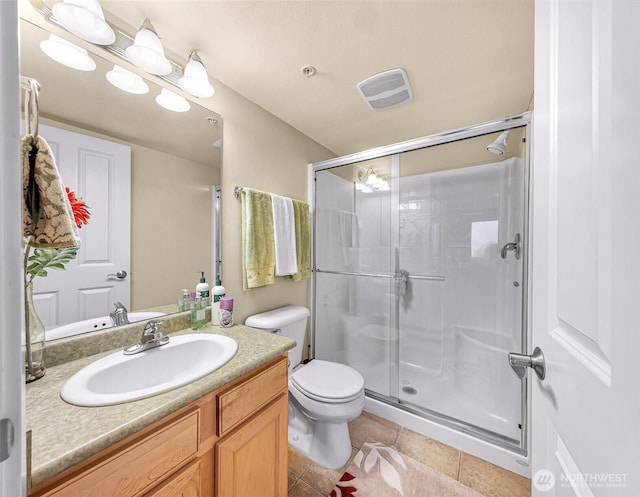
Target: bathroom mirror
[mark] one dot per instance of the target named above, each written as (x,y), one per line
(174,166)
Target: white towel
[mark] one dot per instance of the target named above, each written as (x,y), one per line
(284,235)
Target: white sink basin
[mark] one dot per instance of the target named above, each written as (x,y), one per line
(119,378)
(95,324)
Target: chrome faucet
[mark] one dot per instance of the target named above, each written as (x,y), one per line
(151,337)
(119,315)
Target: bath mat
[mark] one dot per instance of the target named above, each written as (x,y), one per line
(380,471)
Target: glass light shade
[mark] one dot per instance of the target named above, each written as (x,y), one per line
(147,53)
(363,188)
(195,80)
(371,179)
(67,53)
(85,19)
(171,101)
(127,81)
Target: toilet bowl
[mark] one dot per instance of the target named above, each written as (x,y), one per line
(323,396)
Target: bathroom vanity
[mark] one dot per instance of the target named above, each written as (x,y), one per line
(222,435)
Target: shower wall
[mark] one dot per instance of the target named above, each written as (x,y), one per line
(411,290)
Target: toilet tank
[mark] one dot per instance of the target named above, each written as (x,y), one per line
(291,320)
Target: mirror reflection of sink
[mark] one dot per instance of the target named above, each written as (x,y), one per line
(119,378)
(95,324)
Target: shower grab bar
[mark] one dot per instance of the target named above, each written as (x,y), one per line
(380,275)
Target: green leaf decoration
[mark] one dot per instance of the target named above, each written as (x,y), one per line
(44,259)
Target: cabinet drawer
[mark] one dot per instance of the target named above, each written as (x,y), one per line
(140,466)
(184,484)
(238,403)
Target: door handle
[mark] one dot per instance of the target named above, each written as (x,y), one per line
(515,246)
(120,274)
(7,438)
(520,362)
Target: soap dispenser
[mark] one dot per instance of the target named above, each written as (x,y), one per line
(202,290)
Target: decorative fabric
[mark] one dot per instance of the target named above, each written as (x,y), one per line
(258,256)
(47,216)
(303,239)
(284,235)
(380,471)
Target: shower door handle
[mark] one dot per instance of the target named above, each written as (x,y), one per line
(520,362)
(515,246)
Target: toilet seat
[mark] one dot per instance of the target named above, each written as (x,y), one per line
(328,382)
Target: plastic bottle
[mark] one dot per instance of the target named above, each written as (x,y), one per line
(217,292)
(226,312)
(184,304)
(198,313)
(202,290)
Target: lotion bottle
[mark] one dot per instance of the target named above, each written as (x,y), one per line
(217,292)
(202,290)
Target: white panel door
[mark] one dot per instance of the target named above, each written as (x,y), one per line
(586,234)
(99,171)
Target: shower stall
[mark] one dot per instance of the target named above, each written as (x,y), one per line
(420,282)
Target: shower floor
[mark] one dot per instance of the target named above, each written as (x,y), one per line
(485,409)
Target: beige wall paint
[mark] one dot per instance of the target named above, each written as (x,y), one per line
(171,233)
(171,202)
(262,152)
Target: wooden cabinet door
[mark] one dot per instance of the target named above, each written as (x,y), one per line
(252,460)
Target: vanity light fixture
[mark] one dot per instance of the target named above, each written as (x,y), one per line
(172,101)
(147,52)
(499,145)
(84,18)
(127,81)
(195,80)
(67,53)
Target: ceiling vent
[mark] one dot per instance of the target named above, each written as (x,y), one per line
(386,89)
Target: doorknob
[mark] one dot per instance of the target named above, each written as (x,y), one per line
(515,246)
(120,274)
(520,362)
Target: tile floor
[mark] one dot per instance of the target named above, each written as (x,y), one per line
(307,479)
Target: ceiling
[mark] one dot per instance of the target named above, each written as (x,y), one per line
(468,61)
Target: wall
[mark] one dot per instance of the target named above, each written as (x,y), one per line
(259,151)
(171,204)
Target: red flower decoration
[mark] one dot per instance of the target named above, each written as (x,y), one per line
(345,491)
(79,208)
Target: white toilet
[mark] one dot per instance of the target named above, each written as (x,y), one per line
(323,395)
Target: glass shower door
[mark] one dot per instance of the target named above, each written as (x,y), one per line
(355,300)
(460,306)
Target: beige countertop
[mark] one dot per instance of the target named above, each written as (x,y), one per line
(63,434)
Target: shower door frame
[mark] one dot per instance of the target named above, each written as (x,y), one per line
(393,151)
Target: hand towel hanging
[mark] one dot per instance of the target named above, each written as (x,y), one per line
(47,217)
(284,235)
(258,258)
(303,239)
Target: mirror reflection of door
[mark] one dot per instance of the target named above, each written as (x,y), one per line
(99,172)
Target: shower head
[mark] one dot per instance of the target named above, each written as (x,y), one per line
(499,145)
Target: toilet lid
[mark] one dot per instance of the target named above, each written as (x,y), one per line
(328,380)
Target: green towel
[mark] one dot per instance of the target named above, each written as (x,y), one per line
(303,238)
(258,248)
